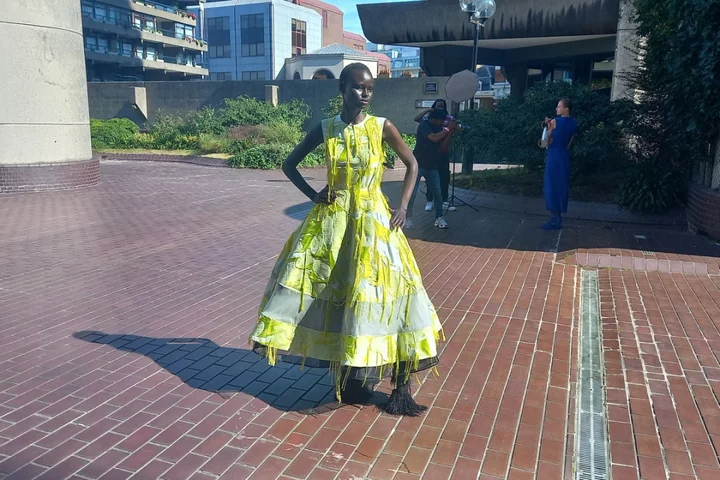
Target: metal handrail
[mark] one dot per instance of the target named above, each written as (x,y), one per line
(163,7)
(158,31)
(189,62)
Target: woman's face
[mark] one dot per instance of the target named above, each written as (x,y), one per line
(359,90)
(561,109)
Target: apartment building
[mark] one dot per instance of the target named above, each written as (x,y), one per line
(332,20)
(250,39)
(141,40)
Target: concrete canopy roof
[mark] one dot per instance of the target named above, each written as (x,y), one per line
(441,21)
(521,31)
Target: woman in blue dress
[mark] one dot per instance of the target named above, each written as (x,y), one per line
(556,187)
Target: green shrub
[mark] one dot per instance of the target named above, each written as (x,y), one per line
(280,132)
(249,111)
(209,143)
(265,157)
(144,141)
(205,120)
(649,186)
(113,133)
(170,132)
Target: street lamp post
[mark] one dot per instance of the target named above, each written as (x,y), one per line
(478,11)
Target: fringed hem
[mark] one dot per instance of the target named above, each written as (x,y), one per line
(369,376)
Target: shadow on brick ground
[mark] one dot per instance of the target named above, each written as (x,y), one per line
(493,228)
(204,365)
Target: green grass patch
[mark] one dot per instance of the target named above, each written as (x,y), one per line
(598,188)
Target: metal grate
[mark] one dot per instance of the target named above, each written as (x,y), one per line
(592,445)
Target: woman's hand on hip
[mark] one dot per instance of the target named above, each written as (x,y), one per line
(399,217)
(324,196)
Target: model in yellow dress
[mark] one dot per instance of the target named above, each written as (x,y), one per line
(346,290)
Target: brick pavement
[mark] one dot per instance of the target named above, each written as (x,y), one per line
(125,309)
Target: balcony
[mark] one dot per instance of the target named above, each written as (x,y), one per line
(156,9)
(124,28)
(166,63)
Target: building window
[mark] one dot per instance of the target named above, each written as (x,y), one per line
(127,49)
(87,10)
(260,75)
(220,76)
(182,31)
(325,18)
(299,38)
(252,35)
(218,23)
(218,36)
(90,43)
(143,22)
(151,53)
(219,51)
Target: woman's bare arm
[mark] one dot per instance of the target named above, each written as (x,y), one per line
(394,139)
(419,117)
(312,140)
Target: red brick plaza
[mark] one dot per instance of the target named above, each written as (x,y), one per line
(125,310)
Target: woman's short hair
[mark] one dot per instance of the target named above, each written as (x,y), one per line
(439,100)
(567,102)
(348,71)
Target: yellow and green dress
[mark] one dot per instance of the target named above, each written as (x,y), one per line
(346,290)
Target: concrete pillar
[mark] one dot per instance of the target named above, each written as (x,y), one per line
(44,124)
(517,76)
(272,95)
(626,55)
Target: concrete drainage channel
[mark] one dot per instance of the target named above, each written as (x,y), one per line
(591,449)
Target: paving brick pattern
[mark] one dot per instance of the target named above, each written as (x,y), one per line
(126,307)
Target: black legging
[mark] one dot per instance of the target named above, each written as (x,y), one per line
(444,171)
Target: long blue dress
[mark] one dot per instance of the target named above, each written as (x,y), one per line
(556,186)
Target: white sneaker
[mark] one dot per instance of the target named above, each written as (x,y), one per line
(441,223)
(408,224)
(429,206)
(448,207)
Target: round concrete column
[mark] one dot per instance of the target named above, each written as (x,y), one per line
(626,54)
(44,124)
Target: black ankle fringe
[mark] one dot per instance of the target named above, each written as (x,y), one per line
(401,402)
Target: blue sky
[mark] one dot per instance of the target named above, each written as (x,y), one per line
(349,8)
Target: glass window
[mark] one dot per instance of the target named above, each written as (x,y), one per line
(87,9)
(100,12)
(102,45)
(127,49)
(114,47)
(150,53)
(219,51)
(218,34)
(221,76)
(252,35)
(299,37)
(91,43)
(257,75)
